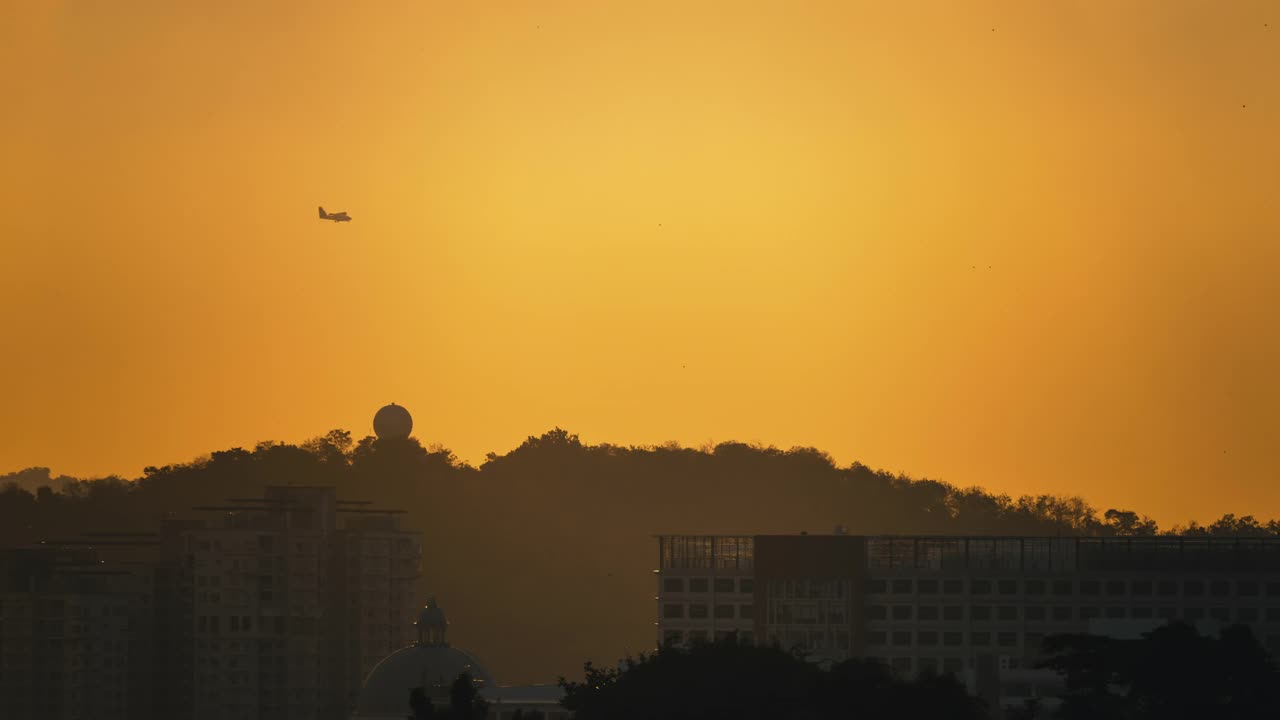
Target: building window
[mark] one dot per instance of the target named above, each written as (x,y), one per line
(1193,588)
(927,587)
(746,585)
(672,637)
(1220,614)
(953,612)
(724,612)
(927,637)
(1141,587)
(1007,639)
(953,665)
(697,637)
(724,585)
(1220,588)
(1247,614)
(980,639)
(1115,587)
(697,611)
(1193,613)
(1035,612)
(927,612)
(1143,612)
(1008,587)
(902,586)
(901,665)
(1167,588)
(980,612)
(901,637)
(901,612)
(875,587)
(1007,612)
(1247,588)
(1062,587)
(927,665)
(877,612)
(952,639)
(1089,613)
(1090,587)
(746,611)
(1115,611)
(673,611)
(673,585)
(698,585)
(1034,587)
(953,587)
(980,587)
(1167,613)
(877,638)
(1273,589)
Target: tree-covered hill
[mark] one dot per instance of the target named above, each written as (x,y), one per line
(544,556)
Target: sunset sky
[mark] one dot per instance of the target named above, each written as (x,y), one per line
(1033,246)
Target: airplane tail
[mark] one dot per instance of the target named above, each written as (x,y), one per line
(323,214)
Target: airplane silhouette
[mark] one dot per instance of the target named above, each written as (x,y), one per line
(336,217)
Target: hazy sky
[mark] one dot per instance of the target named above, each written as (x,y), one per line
(1033,246)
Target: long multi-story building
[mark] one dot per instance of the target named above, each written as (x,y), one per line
(978,607)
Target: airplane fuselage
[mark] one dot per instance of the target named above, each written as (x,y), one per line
(336,217)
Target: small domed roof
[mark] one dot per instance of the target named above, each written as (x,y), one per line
(387,689)
(392,422)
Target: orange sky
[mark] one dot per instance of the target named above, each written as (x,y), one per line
(1027,245)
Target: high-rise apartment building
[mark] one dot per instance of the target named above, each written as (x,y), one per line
(294,598)
(978,607)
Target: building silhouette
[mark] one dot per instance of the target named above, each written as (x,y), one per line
(274,609)
(295,597)
(76,636)
(978,607)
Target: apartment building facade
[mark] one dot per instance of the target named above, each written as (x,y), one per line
(75,636)
(295,597)
(276,608)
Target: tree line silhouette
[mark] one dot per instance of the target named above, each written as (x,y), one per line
(544,554)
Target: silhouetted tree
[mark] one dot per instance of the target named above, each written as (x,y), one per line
(1171,673)
(727,680)
(465,702)
(1128,522)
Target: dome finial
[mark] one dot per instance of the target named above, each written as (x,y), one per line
(432,624)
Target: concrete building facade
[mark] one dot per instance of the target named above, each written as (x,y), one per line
(295,597)
(978,607)
(76,636)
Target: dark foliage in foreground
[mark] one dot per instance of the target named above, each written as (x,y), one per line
(728,680)
(1172,673)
